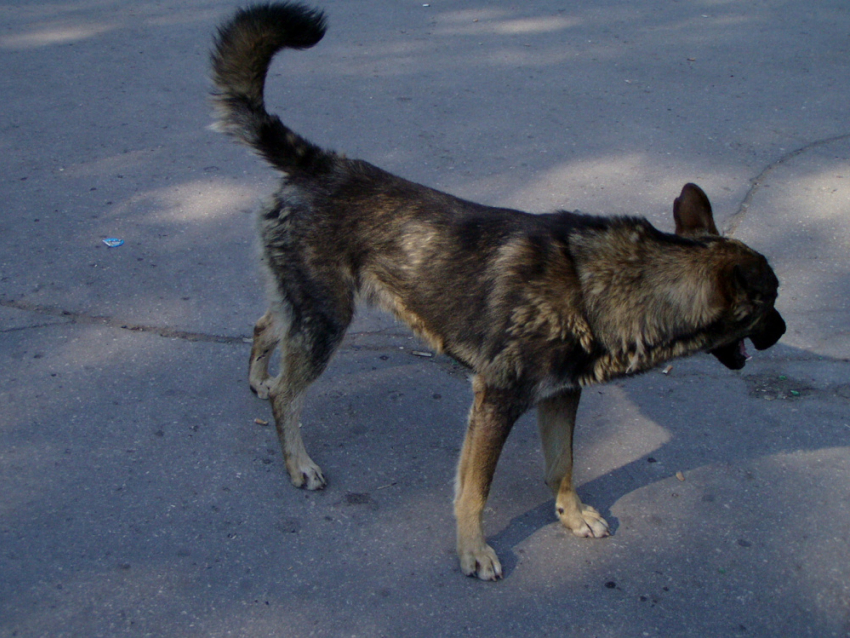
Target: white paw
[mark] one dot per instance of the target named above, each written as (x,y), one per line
(585,522)
(262,388)
(306,475)
(481,562)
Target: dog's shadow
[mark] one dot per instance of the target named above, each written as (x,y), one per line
(522,527)
(686,424)
(601,492)
(519,529)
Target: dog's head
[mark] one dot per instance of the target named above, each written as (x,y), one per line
(747,285)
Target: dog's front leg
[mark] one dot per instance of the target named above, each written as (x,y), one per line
(490,420)
(556,418)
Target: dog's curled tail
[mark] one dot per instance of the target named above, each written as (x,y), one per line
(242,51)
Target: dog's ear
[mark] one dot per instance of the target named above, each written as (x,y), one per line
(692,212)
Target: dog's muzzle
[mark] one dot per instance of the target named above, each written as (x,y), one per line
(764,334)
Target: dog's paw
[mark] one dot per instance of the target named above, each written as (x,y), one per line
(262,388)
(481,562)
(584,522)
(306,475)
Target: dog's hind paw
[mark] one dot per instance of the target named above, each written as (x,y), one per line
(307,475)
(262,388)
(481,562)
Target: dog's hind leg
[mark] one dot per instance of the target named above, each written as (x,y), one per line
(265,341)
(556,418)
(304,355)
(490,421)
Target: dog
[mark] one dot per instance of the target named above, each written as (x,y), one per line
(537,306)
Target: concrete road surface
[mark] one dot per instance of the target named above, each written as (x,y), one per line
(142,495)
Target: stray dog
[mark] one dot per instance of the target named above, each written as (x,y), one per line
(537,306)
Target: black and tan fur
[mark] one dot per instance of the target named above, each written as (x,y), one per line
(537,306)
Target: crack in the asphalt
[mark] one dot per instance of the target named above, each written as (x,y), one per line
(83,318)
(755,184)
(171,333)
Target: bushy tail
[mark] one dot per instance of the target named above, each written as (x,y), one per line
(242,52)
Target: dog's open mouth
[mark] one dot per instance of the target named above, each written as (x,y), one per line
(766,333)
(734,355)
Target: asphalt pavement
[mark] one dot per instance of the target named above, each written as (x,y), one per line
(142,491)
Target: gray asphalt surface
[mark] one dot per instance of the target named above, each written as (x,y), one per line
(141,498)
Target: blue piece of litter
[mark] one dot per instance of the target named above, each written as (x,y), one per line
(113,242)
